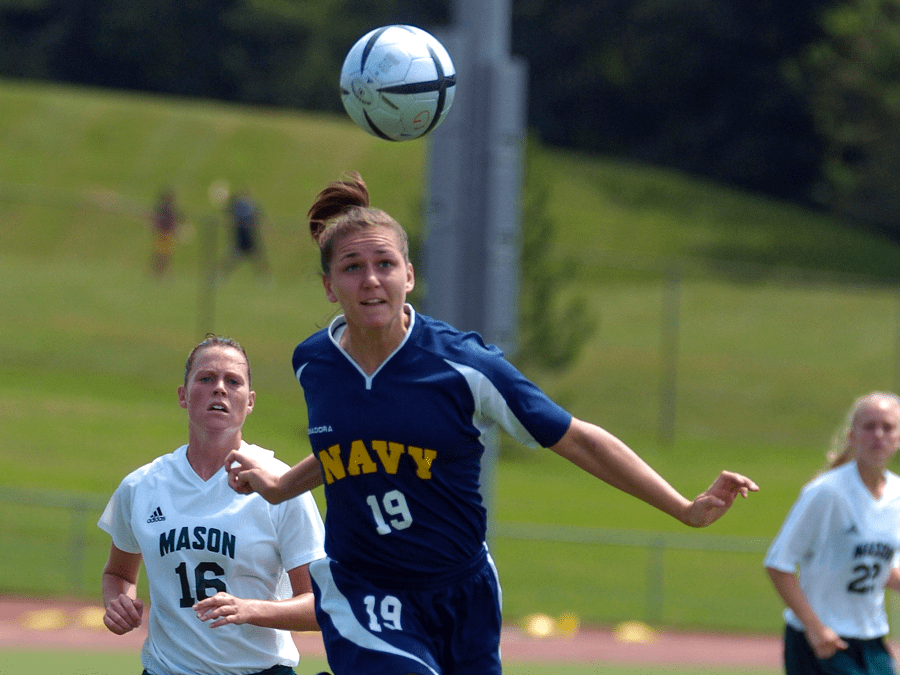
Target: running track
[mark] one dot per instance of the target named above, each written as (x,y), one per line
(62,624)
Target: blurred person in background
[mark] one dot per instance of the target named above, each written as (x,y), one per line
(400,406)
(838,549)
(246,223)
(228,574)
(165,221)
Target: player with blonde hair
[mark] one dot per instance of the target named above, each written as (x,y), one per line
(839,548)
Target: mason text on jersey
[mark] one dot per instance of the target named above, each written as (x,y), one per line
(211,539)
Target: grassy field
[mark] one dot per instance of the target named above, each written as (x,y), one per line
(115,663)
(784,318)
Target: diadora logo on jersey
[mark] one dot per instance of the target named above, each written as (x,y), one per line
(157,516)
(323,429)
(362,460)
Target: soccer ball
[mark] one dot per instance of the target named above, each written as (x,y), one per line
(398,82)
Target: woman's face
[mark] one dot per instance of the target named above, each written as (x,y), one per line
(217,395)
(370,278)
(875,434)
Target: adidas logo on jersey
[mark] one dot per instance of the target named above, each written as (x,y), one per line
(156,516)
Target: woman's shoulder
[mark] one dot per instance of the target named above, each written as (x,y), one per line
(314,340)
(159,466)
(439,336)
(893,483)
(265,457)
(830,481)
(310,346)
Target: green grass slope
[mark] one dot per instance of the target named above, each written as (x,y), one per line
(91,346)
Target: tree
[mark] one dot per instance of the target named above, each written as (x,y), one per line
(277,52)
(553,328)
(852,79)
(691,84)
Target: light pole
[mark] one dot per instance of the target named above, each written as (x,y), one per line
(474,189)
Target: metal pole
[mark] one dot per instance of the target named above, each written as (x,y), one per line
(475,183)
(656,553)
(897,350)
(669,337)
(474,189)
(77,546)
(207,272)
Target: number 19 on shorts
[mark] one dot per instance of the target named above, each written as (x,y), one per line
(385,613)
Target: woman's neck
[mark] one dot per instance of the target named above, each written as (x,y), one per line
(370,348)
(206,453)
(873,478)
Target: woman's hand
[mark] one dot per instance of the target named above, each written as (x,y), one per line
(708,507)
(223,609)
(297,613)
(245,476)
(123,614)
(825,642)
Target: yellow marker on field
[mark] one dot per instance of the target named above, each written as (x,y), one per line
(91,617)
(635,632)
(568,624)
(44,619)
(539,625)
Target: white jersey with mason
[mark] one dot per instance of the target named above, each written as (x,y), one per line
(844,543)
(200,537)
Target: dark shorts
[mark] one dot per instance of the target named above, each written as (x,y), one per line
(862,657)
(246,244)
(274,670)
(371,629)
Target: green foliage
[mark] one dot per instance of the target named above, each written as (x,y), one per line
(273,52)
(696,86)
(551,333)
(851,75)
(690,85)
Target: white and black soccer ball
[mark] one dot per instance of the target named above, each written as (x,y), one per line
(398,82)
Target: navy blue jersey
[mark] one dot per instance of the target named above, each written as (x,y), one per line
(401,449)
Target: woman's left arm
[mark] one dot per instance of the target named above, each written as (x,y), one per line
(603,455)
(296,613)
(893,581)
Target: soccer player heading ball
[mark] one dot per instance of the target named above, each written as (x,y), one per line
(399,406)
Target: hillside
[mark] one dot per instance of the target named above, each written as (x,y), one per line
(729,331)
(79,170)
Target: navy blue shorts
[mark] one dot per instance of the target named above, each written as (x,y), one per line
(274,670)
(862,657)
(376,629)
